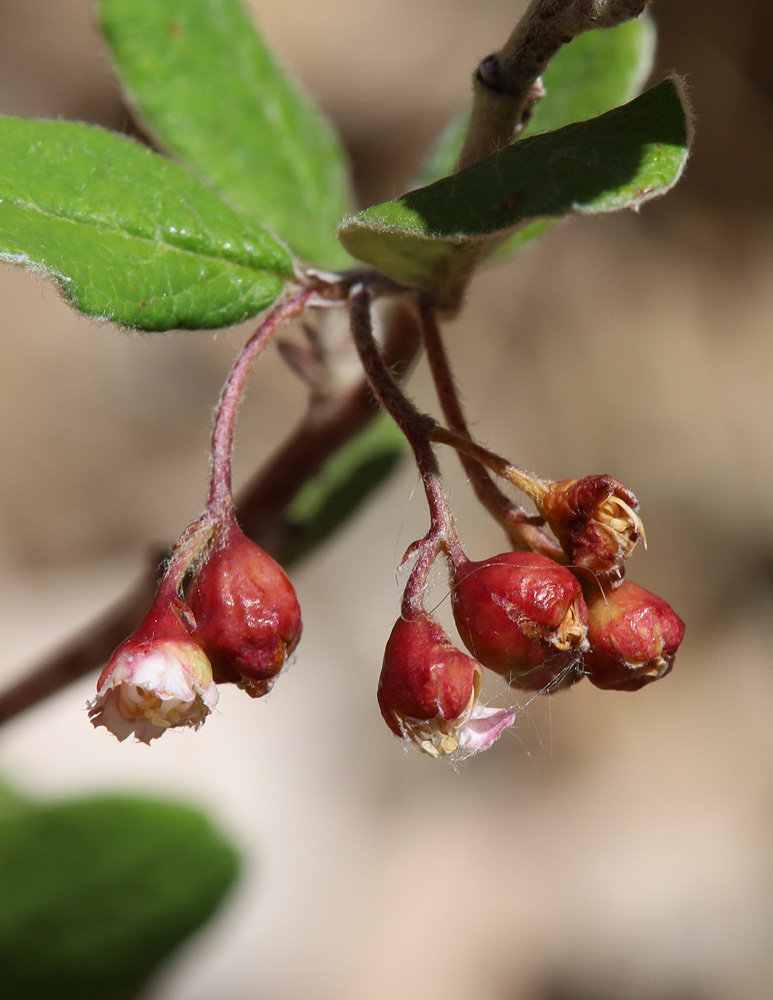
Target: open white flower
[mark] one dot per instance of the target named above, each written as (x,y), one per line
(151,685)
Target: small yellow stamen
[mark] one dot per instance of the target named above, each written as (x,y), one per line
(623,522)
(571,633)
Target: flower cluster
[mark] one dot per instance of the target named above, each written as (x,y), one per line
(542,616)
(540,624)
(237,621)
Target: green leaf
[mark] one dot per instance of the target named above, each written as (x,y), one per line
(433,238)
(94,894)
(12,802)
(594,73)
(211,93)
(127,235)
(345,481)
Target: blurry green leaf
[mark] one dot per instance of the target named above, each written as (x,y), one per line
(94,894)
(212,94)
(594,73)
(128,235)
(12,802)
(342,485)
(433,238)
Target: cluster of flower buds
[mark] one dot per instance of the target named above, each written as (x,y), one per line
(539,624)
(237,623)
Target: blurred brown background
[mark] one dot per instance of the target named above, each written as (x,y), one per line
(617,846)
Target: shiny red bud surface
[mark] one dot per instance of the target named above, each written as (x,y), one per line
(522,615)
(428,692)
(425,676)
(634,636)
(247,615)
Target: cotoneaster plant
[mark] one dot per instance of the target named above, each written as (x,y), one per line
(248,212)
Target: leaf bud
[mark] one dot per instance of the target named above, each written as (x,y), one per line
(523,616)
(428,692)
(633,634)
(158,679)
(246,613)
(595,519)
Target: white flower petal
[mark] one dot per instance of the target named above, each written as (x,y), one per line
(484,728)
(150,689)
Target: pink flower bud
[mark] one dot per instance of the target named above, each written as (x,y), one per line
(522,615)
(157,679)
(634,636)
(246,613)
(595,519)
(428,692)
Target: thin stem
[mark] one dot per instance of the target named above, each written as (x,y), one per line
(521,529)
(416,427)
(533,487)
(220,495)
(188,551)
(332,420)
(512,517)
(521,532)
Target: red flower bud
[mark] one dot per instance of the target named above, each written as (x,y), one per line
(428,692)
(246,613)
(522,615)
(634,636)
(595,519)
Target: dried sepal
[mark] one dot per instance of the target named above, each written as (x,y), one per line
(595,519)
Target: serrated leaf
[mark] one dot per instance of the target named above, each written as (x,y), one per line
(94,894)
(127,235)
(212,94)
(595,72)
(433,238)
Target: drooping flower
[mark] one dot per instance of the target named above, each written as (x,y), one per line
(428,692)
(158,679)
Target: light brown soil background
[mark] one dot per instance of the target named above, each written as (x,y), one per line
(616,847)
